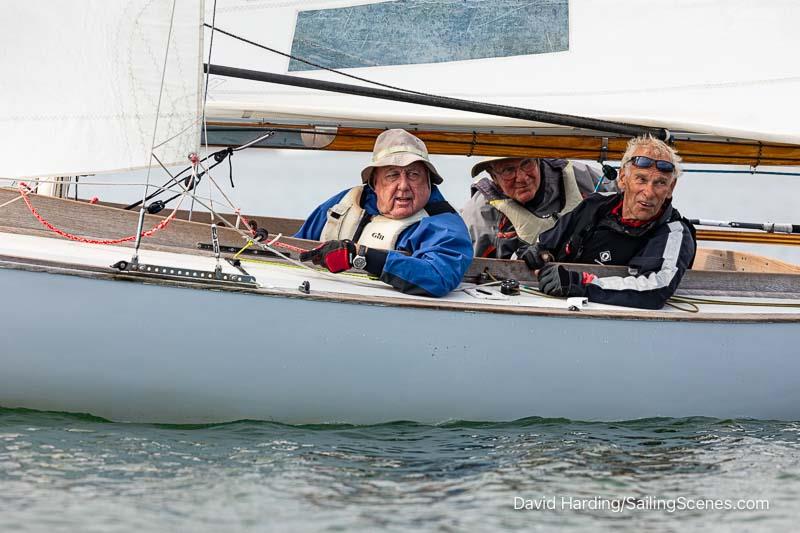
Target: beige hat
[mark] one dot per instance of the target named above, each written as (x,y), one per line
(484,163)
(400,148)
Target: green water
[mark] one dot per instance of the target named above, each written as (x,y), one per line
(62,472)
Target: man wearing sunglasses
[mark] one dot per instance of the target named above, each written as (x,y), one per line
(521,198)
(637,227)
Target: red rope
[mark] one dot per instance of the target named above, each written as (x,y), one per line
(289,247)
(70,236)
(278,244)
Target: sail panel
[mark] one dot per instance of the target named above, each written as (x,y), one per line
(716,67)
(81,85)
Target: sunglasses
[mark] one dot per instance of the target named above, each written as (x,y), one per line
(642,161)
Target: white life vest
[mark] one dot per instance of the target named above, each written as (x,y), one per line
(344,217)
(381,232)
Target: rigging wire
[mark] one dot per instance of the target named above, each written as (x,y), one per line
(270,248)
(219,156)
(139,225)
(443,102)
(205,101)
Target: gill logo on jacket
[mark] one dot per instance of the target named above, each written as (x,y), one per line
(381,232)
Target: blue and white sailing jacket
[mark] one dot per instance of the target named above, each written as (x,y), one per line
(429,257)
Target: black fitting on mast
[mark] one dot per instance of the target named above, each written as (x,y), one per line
(441,101)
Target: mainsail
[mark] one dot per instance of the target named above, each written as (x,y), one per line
(723,68)
(82,82)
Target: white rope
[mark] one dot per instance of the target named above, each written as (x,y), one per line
(11,201)
(254,141)
(18,198)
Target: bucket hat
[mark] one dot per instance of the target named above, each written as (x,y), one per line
(399,148)
(484,163)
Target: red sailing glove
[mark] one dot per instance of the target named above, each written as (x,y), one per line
(556,280)
(336,256)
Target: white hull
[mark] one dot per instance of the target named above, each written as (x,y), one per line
(132,351)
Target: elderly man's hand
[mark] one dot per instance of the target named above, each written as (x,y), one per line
(556,280)
(336,256)
(534,257)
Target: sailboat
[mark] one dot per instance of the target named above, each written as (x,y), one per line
(146,315)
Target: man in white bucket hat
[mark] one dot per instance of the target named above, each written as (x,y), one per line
(520,198)
(396,225)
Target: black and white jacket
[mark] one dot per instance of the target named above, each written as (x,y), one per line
(657,254)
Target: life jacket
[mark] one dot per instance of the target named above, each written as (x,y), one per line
(528,225)
(598,237)
(349,220)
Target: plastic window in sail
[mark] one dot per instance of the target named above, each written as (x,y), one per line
(407,32)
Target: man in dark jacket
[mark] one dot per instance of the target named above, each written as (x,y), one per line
(520,198)
(637,227)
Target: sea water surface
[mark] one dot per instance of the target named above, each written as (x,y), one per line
(68,472)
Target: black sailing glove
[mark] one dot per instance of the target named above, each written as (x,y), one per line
(556,280)
(336,256)
(534,257)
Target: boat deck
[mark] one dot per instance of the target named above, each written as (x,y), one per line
(279,277)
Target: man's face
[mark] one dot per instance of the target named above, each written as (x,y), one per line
(645,189)
(401,191)
(518,178)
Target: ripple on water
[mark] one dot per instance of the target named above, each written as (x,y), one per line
(247,475)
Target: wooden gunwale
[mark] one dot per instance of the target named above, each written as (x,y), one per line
(748,236)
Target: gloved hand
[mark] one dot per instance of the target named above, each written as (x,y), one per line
(336,256)
(556,280)
(534,257)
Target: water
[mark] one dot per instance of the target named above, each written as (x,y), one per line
(62,472)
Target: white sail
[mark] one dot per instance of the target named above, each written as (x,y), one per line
(718,67)
(81,83)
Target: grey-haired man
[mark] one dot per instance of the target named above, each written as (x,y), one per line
(521,198)
(637,227)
